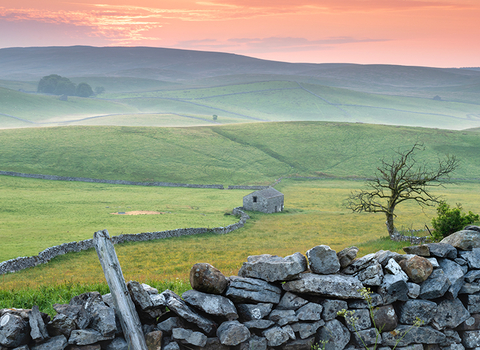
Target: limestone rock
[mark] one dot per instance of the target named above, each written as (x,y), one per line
(442,250)
(61,324)
(232,333)
(336,335)
(360,319)
(420,250)
(393,288)
(415,335)
(417,268)
(346,256)
(56,343)
(211,304)
(154,340)
(283,317)
(360,264)
(338,286)
(206,278)
(310,312)
(169,324)
(252,290)
(13,331)
(393,268)
(272,268)
(305,330)
(464,239)
(385,318)
(291,301)
(249,312)
(323,260)
(146,309)
(455,275)
(276,336)
(372,276)
(435,286)
(187,336)
(298,344)
(331,307)
(450,314)
(86,337)
(118,343)
(471,257)
(258,324)
(423,309)
(471,339)
(38,330)
(368,337)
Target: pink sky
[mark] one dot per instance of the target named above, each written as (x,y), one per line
(438,33)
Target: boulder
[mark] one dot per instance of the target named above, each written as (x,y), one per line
(323,260)
(471,257)
(276,336)
(360,264)
(455,275)
(283,317)
(243,289)
(420,250)
(187,336)
(181,309)
(249,312)
(338,286)
(14,331)
(346,256)
(232,333)
(463,240)
(206,278)
(310,312)
(335,334)
(417,268)
(212,304)
(442,250)
(290,301)
(393,288)
(423,309)
(272,268)
(385,318)
(435,286)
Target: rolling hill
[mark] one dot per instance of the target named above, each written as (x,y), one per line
(169,87)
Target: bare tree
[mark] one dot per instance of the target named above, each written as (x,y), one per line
(399,180)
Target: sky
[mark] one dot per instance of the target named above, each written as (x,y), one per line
(435,33)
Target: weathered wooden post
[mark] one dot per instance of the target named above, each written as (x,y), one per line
(132,328)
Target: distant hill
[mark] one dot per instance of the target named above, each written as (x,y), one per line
(146,86)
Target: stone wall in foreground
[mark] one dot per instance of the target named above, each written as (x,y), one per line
(21,263)
(426,299)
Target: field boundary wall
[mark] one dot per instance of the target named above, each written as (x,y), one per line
(25,262)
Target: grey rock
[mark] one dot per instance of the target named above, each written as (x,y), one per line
(393,268)
(288,329)
(299,344)
(472,276)
(283,317)
(442,250)
(13,331)
(415,335)
(272,268)
(360,264)
(153,340)
(413,290)
(172,346)
(86,337)
(187,336)
(146,309)
(384,256)
(359,320)
(180,308)
(259,324)
(372,276)
(310,312)
(453,347)
(211,304)
(434,262)
(461,261)
(336,335)
(417,268)
(169,324)
(291,301)
(435,286)
(423,309)
(232,333)
(56,343)
(276,336)
(463,240)
(248,312)
(338,286)
(118,343)
(368,337)
(85,304)
(413,347)
(420,250)
(254,343)
(38,330)
(470,288)
(473,303)
(385,318)
(472,228)
(393,288)
(323,260)
(470,324)
(306,330)
(346,256)
(471,339)
(103,320)
(452,337)
(331,307)
(471,257)
(455,274)
(376,300)
(61,324)
(252,290)
(206,278)
(214,344)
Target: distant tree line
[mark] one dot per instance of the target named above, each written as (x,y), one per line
(57,85)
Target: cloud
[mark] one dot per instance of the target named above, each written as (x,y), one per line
(273,44)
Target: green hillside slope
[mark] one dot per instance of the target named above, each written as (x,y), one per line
(236,154)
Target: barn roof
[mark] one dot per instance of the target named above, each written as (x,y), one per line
(268,193)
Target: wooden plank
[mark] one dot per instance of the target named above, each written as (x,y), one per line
(124,307)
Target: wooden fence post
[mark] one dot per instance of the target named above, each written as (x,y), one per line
(124,307)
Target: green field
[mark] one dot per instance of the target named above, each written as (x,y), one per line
(314,214)
(257,153)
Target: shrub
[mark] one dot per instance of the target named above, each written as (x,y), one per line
(450,220)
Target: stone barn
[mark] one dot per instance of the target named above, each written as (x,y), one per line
(268,200)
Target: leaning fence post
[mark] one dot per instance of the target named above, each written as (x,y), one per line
(124,307)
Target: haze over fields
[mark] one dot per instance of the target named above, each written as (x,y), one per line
(147,86)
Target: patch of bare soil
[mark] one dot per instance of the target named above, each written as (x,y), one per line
(139,212)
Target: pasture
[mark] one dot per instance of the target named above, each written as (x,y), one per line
(314,214)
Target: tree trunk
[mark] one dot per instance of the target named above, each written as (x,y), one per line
(390,226)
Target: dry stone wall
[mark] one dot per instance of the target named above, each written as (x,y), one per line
(286,303)
(21,263)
